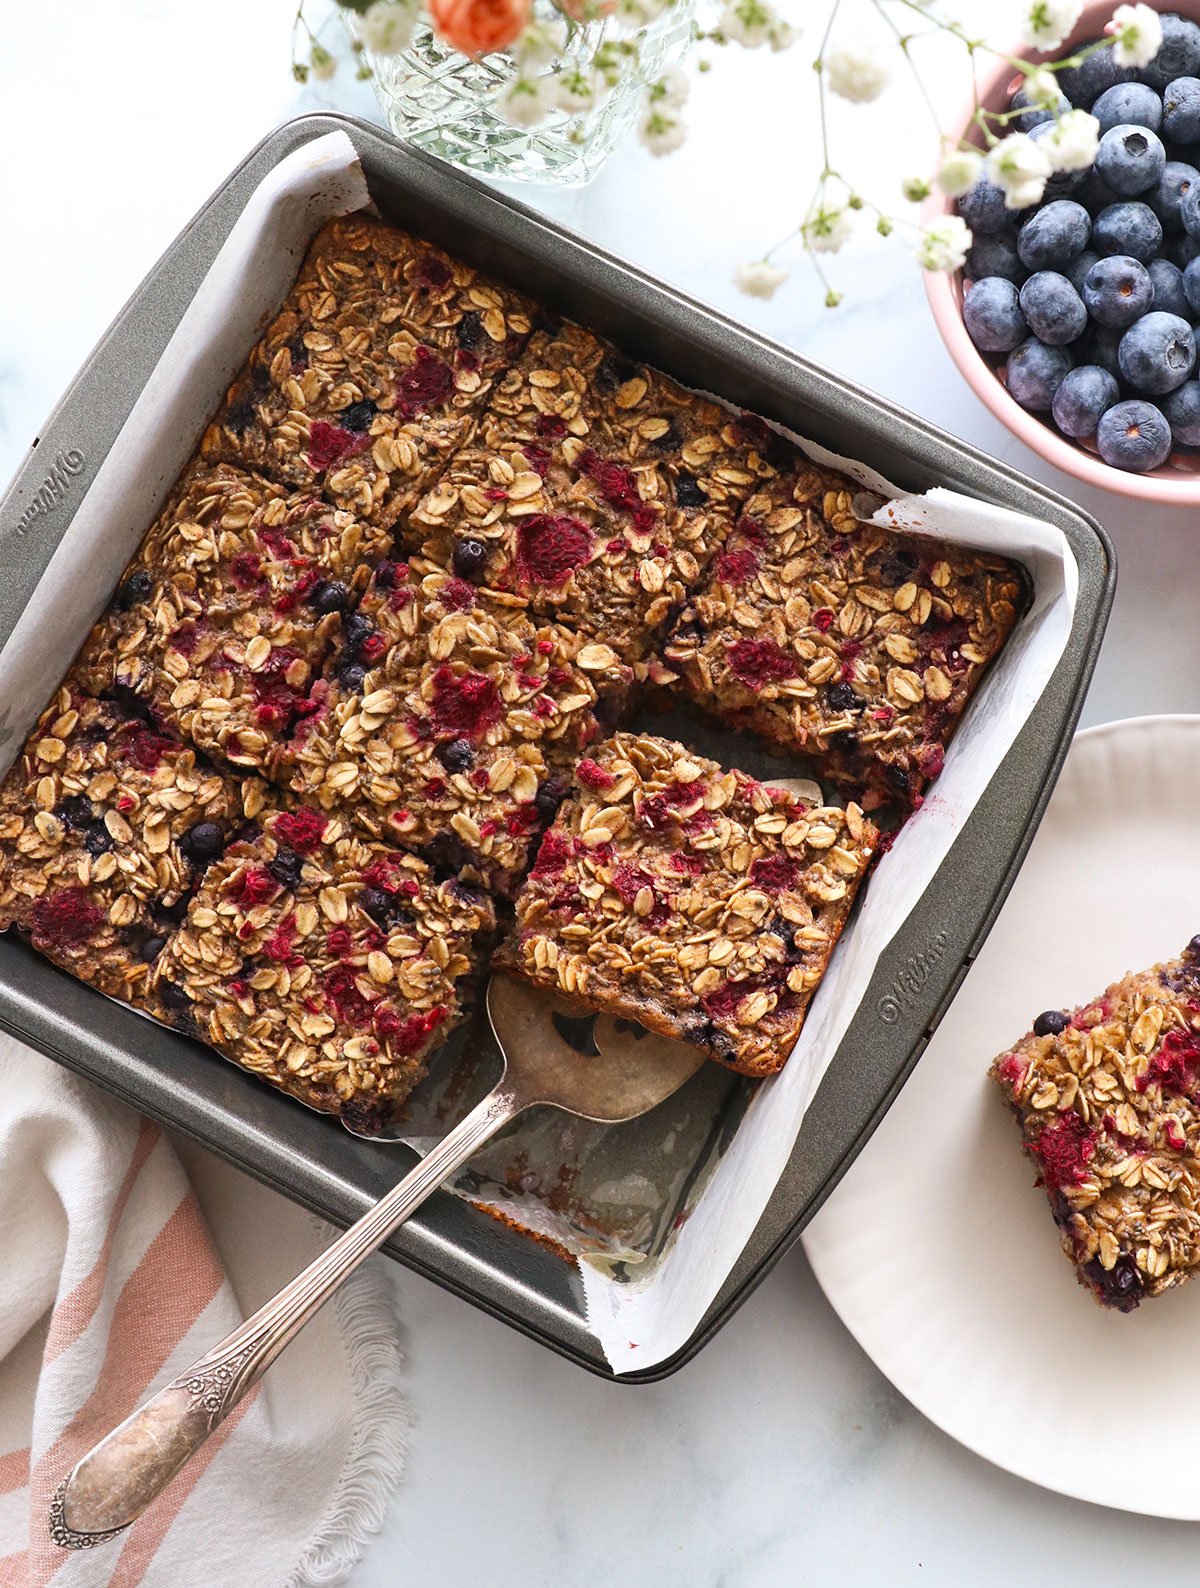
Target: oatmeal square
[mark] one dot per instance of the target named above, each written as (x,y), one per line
(693,900)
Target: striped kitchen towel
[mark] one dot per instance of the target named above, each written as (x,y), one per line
(123,1257)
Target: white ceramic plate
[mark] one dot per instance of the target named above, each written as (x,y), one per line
(937,1251)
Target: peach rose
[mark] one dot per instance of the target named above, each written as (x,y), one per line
(477,27)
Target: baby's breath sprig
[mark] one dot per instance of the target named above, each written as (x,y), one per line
(1020,166)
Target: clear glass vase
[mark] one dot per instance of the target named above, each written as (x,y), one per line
(444,102)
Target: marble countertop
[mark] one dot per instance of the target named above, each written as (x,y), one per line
(780,1454)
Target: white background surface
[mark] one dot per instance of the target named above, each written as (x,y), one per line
(780,1455)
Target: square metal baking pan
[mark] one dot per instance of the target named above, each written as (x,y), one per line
(309,1157)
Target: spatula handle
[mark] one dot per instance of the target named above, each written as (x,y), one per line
(114,1483)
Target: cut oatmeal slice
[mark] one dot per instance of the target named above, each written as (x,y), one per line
(1107,1097)
(447,721)
(226,613)
(325,963)
(691,899)
(372,373)
(105,827)
(594,492)
(851,642)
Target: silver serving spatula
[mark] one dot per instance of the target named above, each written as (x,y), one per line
(114,1483)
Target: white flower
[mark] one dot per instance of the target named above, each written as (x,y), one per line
(915,188)
(540,43)
(825,230)
(1071,143)
(671,89)
(760,278)
(661,131)
(747,22)
(781,35)
(525,101)
(387,27)
(856,74)
(575,91)
(960,172)
(1136,35)
(1047,23)
(1042,90)
(1019,166)
(321,64)
(943,244)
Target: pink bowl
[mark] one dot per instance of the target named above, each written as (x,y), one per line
(1177,482)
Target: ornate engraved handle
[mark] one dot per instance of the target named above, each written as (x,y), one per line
(114,1483)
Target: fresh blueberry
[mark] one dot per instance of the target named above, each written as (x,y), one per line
(844,697)
(1129,104)
(1128,228)
(1181,111)
(1191,286)
(1054,235)
(995,256)
(1034,115)
(287,868)
(1083,84)
(992,315)
(1034,373)
(1169,294)
(1184,249)
(1118,290)
(1189,210)
(1051,1024)
(1157,353)
(687,490)
(77,811)
(1134,435)
(1060,184)
(1179,54)
(984,210)
(1131,159)
(351,677)
(1076,271)
(470,559)
(97,840)
(1095,194)
(358,416)
(1182,408)
(330,595)
(1177,179)
(151,948)
(135,589)
(1103,344)
(456,755)
(203,842)
(1053,309)
(1085,394)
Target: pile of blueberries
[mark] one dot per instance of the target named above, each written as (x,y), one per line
(1094,294)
